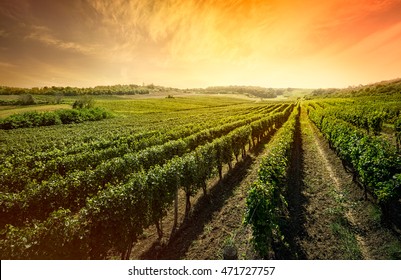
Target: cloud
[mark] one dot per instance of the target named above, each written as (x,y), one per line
(7,65)
(233,31)
(44,35)
(187,30)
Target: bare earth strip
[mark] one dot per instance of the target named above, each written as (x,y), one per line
(334,177)
(312,203)
(340,223)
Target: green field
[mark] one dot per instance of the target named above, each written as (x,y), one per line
(96,189)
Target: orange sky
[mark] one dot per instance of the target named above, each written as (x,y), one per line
(199,43)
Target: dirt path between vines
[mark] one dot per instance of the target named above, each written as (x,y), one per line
(329,219)
(349,215)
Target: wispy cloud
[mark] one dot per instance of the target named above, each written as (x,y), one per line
(7,64)
(44,35)
(188,29)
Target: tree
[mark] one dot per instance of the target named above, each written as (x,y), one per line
(84,101)
(26,99)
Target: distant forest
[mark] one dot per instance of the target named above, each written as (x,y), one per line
(75,91)
(249,90)
(384,88)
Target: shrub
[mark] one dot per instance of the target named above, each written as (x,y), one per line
(13,121)
(35,119)
(84,102)
(26,99)
(70,116)
(50,118)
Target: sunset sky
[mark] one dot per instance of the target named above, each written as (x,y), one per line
(199,43)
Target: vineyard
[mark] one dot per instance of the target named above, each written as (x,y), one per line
(154,180)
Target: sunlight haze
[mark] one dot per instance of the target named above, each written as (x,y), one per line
(177,43)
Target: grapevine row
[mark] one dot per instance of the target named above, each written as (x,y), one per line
(116,216)
(70,191)
(70,138)
(265,203)
(17,176)
(374,161)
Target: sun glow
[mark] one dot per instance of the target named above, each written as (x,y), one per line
(192,43)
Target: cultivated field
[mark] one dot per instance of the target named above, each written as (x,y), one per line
(179,175)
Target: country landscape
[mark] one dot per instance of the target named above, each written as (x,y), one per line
(186,174)
(200,130)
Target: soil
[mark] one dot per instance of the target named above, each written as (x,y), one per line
(328,217)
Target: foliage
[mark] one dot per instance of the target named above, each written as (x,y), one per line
(61,236)
(386,89)
(374,160)
(265,203)
(397,129)
(36,119)
(74,91)
(26,99)
(249,90)
(43,160)
(74,187)
(262,215)
(84,102)
(84,199)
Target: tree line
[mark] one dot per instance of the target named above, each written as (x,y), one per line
(130,89)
